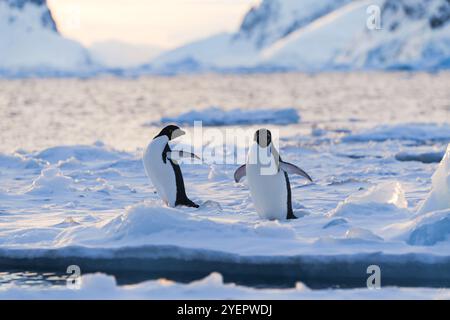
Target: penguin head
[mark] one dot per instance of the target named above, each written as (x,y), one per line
(171,132)
(263,137)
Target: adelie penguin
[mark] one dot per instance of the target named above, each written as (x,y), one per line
(268,180)
(161,166)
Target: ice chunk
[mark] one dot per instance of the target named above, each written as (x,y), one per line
(215,116)
(386,198)
(362,234)
(439,197)
(431,228)
(66,223)
(407,131)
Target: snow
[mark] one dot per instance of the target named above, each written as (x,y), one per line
(77,183)
(51,182)
(95,286)
(216,116)
(220,50)
(384,199)
(272,20)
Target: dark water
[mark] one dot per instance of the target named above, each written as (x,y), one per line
(31,278)
(316,274)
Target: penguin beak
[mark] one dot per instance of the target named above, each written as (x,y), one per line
(178,133)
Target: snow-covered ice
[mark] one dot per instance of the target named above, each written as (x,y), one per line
(65,194)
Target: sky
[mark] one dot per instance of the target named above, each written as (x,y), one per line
(162,23)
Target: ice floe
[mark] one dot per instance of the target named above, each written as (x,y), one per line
(426,157)
(216,116)
(408,131)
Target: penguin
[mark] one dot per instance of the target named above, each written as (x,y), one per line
(161,166)
(268,180)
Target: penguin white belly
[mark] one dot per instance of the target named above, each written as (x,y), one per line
(268,192)
(161,174)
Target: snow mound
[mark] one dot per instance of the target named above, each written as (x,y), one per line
(143,220)
(439,197)
(385,199)
(51,182)
(426,157)
(430,229)
(216,174)
(410,131)
(17,161)
(150,223)
(82,153)
(215,116)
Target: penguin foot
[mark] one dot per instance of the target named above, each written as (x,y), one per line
(188,203)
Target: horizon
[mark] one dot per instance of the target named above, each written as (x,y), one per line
(165,25)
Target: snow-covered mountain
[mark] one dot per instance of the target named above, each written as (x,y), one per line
(30,43)
(314,35)
(415,35)
(263,25)
(275,19)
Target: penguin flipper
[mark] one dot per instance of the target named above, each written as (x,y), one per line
(176,155)
(293,169)
(240,173)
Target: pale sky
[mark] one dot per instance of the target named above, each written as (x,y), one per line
(164,23)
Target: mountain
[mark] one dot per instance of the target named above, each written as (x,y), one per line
(275,19)
(415,35)
(117,54)
(30,43)
(263,25)
(316,35)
